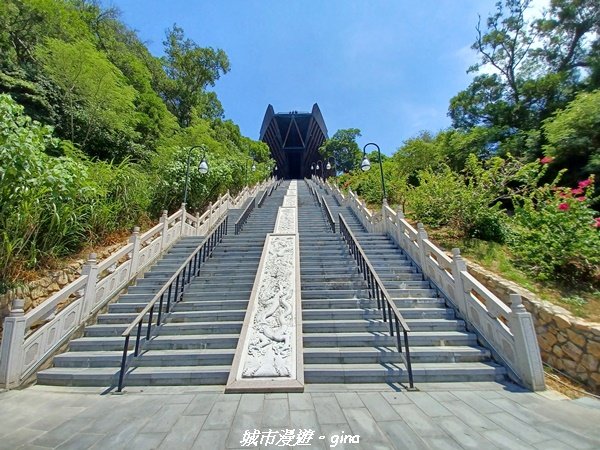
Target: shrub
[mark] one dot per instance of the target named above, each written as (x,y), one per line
(42,212)
(555,234)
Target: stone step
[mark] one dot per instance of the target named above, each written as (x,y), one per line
(168,329)
(365,339)
(211,305)
(362,293)
(159,342)
(160,358)
(422,373)
(195,293)
(180,315)
(137,376)
(351,312)
(367,355)
(325,325)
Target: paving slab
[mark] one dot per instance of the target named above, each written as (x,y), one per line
(378,416)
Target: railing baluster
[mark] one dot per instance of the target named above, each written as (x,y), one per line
(169,298)
(160,310)
(138,338)
(176,289)
(408,362)
(123,363)
(149,330)
(398,335)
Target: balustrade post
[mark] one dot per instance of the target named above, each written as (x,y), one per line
(135,253)
(13,340)
(210,219)
(182,231)
(165,230)
(398,228)
(421,236)
(527,350)
(459,265)
(90,268)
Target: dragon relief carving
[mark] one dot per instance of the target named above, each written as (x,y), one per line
(286,220)
(270,352)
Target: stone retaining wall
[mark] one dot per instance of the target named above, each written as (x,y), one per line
(567,343)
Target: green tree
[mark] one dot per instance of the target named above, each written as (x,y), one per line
(573,136)
(344,149)
(190,69)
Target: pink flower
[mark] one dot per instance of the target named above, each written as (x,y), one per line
(563,206)
(577,191)
(546,159)
(580,199)
(564,195)
(597,222)
(584,183)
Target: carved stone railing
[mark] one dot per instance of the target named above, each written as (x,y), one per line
(24,347)
(509,331)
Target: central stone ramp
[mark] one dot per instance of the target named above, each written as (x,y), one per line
(197,341)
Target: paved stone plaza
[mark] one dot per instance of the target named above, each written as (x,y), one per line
(450,416)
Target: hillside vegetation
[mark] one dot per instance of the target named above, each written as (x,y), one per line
(514,179)
(95,131)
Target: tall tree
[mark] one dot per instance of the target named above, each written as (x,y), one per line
(190,70)
(344,149)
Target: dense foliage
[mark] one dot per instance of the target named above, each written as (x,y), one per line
(95,132)
(519,162)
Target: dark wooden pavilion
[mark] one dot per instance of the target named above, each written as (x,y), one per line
(294,139)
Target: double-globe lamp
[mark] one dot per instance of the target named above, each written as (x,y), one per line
(202,168)
(365,165)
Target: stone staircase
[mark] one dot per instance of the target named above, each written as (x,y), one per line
(345,340)
(197,341)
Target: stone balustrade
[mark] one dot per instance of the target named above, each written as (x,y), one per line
(24,348)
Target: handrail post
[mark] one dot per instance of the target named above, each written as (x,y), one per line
(421,236)
(398,228)
(182,231)
(197,233)
(165,230)
(135,253)
(528,357)
(13,339)
(459,265)
(90,268)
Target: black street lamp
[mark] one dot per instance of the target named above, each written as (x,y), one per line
(275,171)
(202,168)
(365,165)
(312,169)
(320,166)
(329,166)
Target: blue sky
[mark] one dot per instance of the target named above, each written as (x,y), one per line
(388,68)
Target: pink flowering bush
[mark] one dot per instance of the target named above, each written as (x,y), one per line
(555,234)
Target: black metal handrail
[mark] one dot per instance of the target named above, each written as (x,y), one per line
(309,186)
(239,224)
(271,189)
(173,290)
(328,214)
(378,291)
(262,198)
